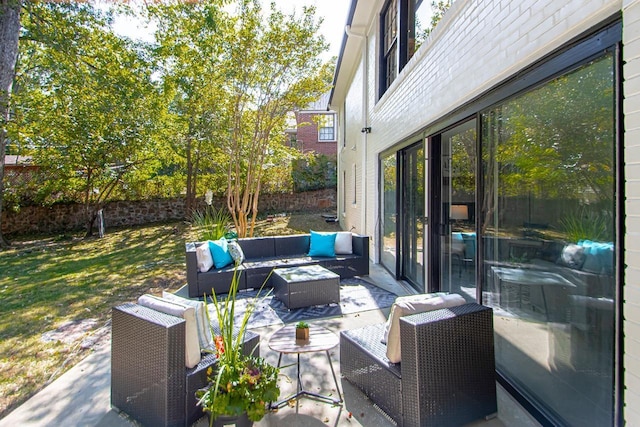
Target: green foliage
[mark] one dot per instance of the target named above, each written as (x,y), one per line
(302,325)
(438,9)
(588,224)
(106,118)
(314,172)
(554,146)
(212,223)
(272,67)
(242,383)
(567,145)
(86,104)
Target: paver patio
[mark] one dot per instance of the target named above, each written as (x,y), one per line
(81,397)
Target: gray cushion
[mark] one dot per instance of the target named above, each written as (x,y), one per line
(258,247)
(292,245)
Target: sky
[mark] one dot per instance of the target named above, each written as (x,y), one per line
(334,13)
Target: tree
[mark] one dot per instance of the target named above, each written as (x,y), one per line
(230,79)
(9,36)
(438,9)
(188,55)
(85,105)
(271,67)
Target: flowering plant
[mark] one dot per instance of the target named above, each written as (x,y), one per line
(238,383)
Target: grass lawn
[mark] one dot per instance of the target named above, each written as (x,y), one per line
(49,280)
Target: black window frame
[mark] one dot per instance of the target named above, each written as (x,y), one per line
(395,55)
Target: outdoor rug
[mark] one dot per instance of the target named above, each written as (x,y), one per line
(355,295)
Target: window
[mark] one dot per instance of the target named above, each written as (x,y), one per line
(344,192)
(389,60)
(404,26)
(344,124)
(548,234)
(293,140)
(326,127)
(423,18)
(355,185)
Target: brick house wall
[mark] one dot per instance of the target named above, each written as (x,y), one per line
(307,134)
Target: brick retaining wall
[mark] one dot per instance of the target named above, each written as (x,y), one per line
(69,217)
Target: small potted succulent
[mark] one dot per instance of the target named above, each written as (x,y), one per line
(302,331)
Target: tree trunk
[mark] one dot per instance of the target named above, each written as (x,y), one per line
(9,35)
(188,200)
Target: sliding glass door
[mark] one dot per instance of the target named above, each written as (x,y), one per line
(389,212)
(457,194)
(548,241)
(412,202)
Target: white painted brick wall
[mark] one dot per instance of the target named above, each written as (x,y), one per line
(350,215)
(494,39)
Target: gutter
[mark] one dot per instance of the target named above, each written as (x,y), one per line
(345,37)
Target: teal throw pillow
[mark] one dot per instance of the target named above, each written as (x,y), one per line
(322,244)
(220,253)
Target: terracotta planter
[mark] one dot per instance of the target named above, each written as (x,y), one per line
(302,334)
(232,421)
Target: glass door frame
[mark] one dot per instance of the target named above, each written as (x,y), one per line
(437,223)
(395,268)
(407,217)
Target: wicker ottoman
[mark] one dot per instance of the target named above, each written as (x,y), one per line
(305,286)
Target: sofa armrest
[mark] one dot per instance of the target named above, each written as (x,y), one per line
(192,268)
(360,245)
(448,366)
(147,365)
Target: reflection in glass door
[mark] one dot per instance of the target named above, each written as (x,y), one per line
(457,211)
(389,212)
(412,213)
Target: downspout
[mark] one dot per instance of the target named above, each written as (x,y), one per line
(365,112)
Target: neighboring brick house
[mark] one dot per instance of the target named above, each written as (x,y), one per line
(315,128)
(18,169)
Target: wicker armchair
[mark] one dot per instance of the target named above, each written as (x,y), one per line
(447,373)
(149,381)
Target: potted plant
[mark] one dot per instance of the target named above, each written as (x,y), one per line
(240,386)
(302,331)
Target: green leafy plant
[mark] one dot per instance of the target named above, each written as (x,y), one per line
(587,224)
(213,223)
(302,325)
(241,383)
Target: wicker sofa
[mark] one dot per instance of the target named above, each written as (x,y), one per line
(263,254)
(149,381)
(447,373)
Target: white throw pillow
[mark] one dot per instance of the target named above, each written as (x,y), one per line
(204,331)
(204,258)
(236,252)
(343,243)
(411,305)
(192,348)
